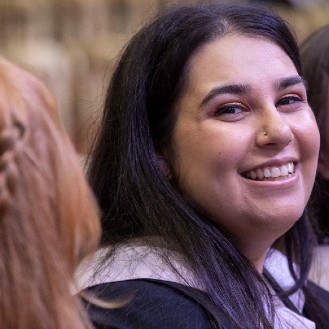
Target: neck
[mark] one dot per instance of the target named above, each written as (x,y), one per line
(255,252)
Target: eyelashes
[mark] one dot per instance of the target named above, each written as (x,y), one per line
(235,110)
(230,109)
(289,100)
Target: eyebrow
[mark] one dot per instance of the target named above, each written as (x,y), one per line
(239,89)
(236,89)
(291,81)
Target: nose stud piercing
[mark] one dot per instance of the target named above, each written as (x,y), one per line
(264,133)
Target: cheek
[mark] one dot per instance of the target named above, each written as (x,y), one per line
(206,148)
(206,160)
(308,138)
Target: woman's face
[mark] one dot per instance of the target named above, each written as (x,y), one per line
(245,143)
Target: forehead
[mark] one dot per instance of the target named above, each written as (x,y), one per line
(239,57)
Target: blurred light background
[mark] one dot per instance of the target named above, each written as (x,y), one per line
(72,45)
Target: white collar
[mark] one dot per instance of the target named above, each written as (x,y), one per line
(142,262)
(135,262)
(277,264)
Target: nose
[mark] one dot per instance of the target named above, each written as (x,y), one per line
(274,130)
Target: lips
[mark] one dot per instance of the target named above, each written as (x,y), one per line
(270,172)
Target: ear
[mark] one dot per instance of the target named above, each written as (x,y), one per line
(164,166)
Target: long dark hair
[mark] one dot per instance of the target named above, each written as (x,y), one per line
(315,57)
(136,198)
(314,53)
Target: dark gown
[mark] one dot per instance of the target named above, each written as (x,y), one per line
(157,304)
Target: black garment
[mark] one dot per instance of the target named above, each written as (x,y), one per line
(155,305)
(319,208)
(160,305)
(318,291)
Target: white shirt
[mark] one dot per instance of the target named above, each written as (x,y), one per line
(141,262)
(277,264)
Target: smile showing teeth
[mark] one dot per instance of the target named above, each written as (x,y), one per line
(267,173)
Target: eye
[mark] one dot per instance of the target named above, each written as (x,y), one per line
(289,100)
(229,110)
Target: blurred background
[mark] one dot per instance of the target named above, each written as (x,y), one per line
(72,45)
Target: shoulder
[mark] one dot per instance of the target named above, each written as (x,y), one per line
(320,267)
(152,304)
(130,262)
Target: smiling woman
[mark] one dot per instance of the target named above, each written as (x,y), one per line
(232,122)
(203,167)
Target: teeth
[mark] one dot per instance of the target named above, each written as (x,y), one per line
(285,171)
(271,172)
(267,172)
(275,172)
(260,173)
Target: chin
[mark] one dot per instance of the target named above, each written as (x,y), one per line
(286,221)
